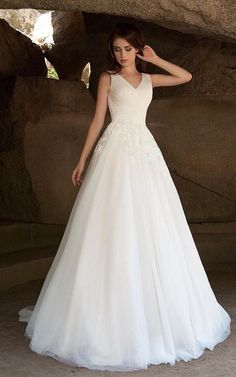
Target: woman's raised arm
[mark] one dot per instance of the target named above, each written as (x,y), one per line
(178,75)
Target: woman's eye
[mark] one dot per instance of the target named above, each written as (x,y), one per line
(117,50)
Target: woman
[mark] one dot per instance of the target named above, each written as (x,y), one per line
(127,287)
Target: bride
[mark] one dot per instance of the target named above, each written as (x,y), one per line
(126,288)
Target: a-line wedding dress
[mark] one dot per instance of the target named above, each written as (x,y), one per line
(126,288)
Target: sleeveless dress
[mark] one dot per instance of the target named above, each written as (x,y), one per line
(126,288)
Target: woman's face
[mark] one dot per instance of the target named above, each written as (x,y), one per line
(124,52)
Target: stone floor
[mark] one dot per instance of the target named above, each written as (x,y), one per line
(16,358)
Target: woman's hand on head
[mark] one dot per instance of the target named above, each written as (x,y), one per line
(77,177)
(149,54)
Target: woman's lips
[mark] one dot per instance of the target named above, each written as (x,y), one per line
(124,60)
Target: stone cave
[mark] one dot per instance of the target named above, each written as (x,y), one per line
(52,53)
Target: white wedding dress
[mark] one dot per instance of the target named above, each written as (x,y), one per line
(126,288)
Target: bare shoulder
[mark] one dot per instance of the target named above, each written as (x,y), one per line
(104,76)
(110,72)
(104,80)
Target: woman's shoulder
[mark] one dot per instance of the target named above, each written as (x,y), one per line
(106,77)
(109,73)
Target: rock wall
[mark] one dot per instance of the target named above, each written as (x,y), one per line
(19,55)
(44,129)
(209,18)
(43,122)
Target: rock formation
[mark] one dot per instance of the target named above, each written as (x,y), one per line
(44,121)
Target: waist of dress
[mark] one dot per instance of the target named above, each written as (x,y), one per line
(128,120)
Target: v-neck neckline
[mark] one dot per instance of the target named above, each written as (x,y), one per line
(135,88)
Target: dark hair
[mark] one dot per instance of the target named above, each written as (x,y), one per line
(134,36)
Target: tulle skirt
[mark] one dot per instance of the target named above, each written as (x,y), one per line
(126,288)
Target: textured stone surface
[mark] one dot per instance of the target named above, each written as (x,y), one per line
(69,53)
(197,137)
(21,19)
(19,55)
(213,17)
(43,130)
(17,199)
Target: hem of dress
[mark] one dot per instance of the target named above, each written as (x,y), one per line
(134,367)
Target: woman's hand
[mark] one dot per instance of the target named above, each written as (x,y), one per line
(77,173)
(149,54)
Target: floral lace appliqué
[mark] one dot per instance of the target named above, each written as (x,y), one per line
(136,139)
